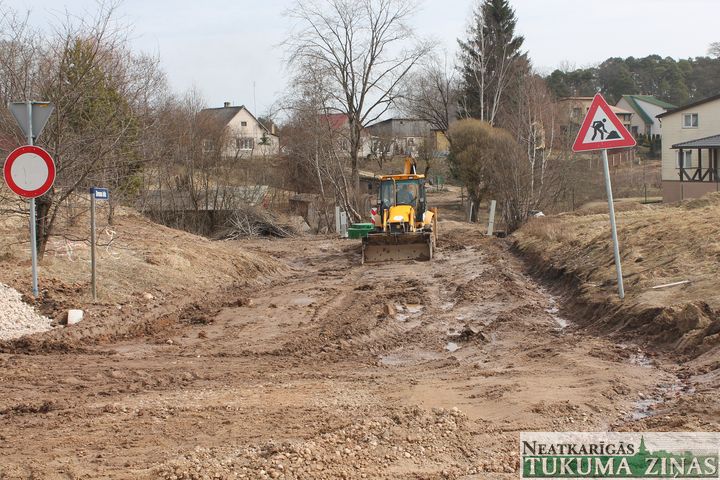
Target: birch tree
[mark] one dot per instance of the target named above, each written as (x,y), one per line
(491,58)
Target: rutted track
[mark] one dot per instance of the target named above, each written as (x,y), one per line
(337,371)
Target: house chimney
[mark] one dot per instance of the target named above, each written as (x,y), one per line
(226,104)
(273,130)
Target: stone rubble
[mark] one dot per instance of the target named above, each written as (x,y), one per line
(17,318)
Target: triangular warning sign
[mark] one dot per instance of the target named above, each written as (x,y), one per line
(602,129)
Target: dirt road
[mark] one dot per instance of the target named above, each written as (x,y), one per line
(411,370)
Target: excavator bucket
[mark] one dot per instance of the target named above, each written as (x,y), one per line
(388,247)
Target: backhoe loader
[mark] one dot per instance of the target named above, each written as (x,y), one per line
(404,227)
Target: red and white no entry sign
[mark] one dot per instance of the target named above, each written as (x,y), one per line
(29,171)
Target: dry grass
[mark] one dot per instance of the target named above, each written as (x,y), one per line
(660,244)
(136,257)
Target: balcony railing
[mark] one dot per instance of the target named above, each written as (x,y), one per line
(696,174)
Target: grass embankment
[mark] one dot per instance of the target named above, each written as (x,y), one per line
(660,244)
(146,272)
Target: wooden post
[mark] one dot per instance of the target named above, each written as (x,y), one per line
(491,222)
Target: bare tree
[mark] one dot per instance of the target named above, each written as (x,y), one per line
(714,50)
(101,91)
(315,146)
(532,119)
(364,48)
(431,94)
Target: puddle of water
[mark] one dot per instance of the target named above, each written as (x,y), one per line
(303,301)
(553,310)
(452,347)
(648,406)
(640,359)
(404,312)
(408,358)
(447,306)
(414,308)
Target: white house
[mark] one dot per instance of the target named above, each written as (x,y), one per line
(243,135)
(645,108)
(690,149)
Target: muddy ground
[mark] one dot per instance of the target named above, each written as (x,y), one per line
(336,370)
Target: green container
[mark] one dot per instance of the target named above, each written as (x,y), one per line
(362,226)
(357,232)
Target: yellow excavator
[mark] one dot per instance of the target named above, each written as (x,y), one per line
(404,227)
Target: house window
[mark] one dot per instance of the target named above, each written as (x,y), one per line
(411,141)
(208,146)
(690,120)
(243,124)
(576,112)
(684,158)
(245,143)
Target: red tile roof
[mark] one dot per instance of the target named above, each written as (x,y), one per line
(336,121)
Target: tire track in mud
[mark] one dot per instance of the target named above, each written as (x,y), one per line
(337,371)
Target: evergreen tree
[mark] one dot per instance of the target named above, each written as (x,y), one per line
(491,59)
(676,81)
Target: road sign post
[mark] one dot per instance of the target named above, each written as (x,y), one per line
(601,130)
(95,194)
(613,226)
(33,212)
(29,170)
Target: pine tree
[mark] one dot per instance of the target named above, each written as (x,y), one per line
(491,60)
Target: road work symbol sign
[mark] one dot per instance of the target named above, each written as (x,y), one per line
(602,129)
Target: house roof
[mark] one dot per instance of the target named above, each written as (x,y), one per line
(223,115)
(616,110)
(712,141)
(632,101)
(620,111)
(336,121)
(583,99)
(689,105)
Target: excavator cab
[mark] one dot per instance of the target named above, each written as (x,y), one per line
(403,202)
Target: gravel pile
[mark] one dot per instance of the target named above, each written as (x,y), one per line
(438,443)
(17,318)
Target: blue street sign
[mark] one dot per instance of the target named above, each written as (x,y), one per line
(100,193)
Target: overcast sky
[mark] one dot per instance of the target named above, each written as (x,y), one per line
(223,47)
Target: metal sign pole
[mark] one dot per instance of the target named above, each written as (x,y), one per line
(611,207)
(92,243)
(33,233)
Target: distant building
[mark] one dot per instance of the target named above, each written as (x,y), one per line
(400,136)
(690,149)
(572,111)
(645,109)
(339,124)
(442,144)
(243,135)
